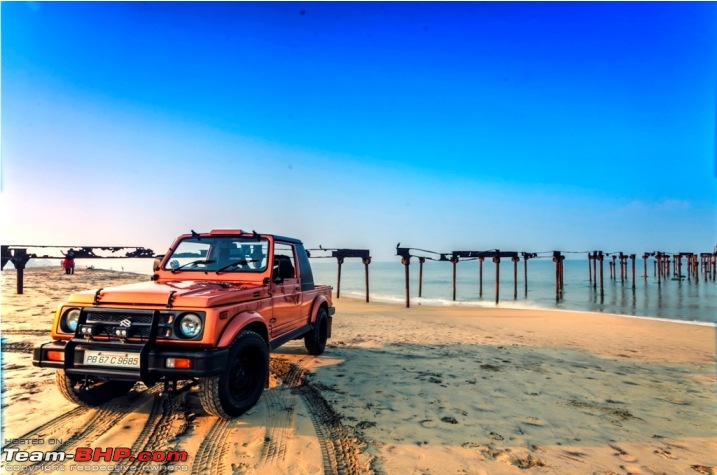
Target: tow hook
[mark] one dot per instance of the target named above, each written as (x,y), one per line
(170,388)
(86,383)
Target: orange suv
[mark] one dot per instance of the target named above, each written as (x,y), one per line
(217,303)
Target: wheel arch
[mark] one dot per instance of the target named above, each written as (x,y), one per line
(244,321)
(319,302)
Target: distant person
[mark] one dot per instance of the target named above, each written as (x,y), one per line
(68,263)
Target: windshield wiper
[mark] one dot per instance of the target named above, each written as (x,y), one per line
(193,263)
(240,262)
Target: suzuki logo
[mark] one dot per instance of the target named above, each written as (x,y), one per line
(126,323)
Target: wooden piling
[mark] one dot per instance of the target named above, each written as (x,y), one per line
(20,258)
(600,258)
(515,277)
(480,277)
(340,261)
(678,262)
(421,260)
(406,261)
(496,260)
(613,268)
(658,267)
(454,261)
(558,259)
(366,262)
(632,258)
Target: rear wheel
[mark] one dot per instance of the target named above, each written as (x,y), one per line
(89,391)
(238,389)
(315,340)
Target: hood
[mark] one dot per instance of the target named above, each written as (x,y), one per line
(199,294)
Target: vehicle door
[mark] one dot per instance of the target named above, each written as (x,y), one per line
(286,291)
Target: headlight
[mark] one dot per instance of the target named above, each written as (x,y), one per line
(69,320)
(190,325)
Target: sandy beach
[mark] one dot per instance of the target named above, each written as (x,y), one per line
(425,390)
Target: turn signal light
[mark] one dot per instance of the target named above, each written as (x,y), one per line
(55,355)
(179,363)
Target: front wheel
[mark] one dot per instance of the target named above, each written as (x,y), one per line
(88,391)
(315,340)
(240,386)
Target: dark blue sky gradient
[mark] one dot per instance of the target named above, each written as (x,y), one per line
(611,103)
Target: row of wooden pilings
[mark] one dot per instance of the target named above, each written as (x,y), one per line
(495,255)
(342,254)
(707,264)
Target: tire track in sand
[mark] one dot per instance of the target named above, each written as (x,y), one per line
(104,418)
(340,447)
(213,450)
(166,422)
(281,405)
(51,427)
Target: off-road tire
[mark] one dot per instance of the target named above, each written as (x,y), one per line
(315,339)
(240,386)
(95,394)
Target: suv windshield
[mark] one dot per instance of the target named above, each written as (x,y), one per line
(219,254)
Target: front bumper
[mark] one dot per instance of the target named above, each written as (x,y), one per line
(152,367)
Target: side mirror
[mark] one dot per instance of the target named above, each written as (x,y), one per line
(157,261)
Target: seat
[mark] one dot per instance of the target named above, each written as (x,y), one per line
(283,268)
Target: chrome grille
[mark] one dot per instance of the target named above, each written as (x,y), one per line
(115,318)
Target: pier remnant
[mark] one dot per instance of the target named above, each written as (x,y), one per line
(421,261)
(405,253)
(18,255)
(496,261)
(558,258)
(593,259)
(526,256)
(19,258)
(632,258)
(480,256)
(341,255)
(454,262)
(600,258)
(704,264)
(480,277)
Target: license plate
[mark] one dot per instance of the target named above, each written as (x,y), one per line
(115,359)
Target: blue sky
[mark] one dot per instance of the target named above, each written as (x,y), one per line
(445,126)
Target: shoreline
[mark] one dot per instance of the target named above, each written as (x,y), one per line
(488,306)
(442,303)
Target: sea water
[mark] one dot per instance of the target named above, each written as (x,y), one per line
(675,299)
(683,299)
